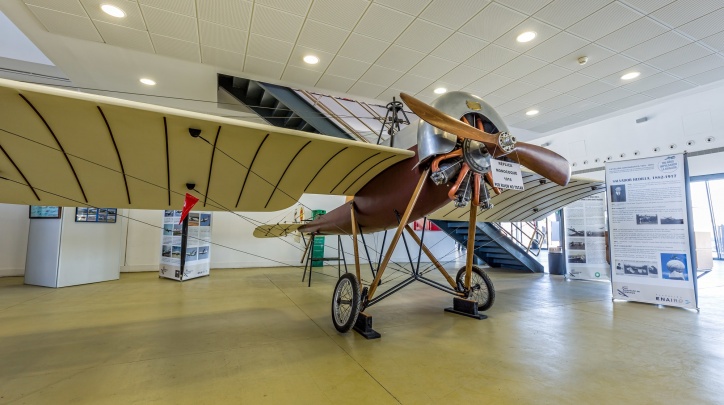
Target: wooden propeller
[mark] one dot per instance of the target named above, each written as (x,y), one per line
(538,159)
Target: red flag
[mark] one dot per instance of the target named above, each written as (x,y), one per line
(189,203)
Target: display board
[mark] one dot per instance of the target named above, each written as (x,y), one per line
(185,247)
(585,239)
(87,214)
(649,214)
(39,211)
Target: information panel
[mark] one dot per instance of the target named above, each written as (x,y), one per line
(585,224)
(649,224)
(185,248)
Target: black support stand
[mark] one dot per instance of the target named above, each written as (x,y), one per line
(465,307)
(363,326)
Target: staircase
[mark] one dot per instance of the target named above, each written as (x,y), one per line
(493,245)
(280,106)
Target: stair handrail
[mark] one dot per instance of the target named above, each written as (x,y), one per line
(318,103)
(526,243)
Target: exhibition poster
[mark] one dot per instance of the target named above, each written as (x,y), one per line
(185,255)
(585,224)
(649,224)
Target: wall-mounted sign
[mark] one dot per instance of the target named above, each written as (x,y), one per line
(104,215)
(39,211)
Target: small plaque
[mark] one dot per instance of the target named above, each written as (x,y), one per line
(474,105)
(506,175)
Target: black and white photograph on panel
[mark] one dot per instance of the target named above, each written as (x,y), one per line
(576,258)
(596,232)
(647,219)
(577,244)
(671,221)
(576,232)
(637,268)
(618,193)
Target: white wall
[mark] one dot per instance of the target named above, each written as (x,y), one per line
(694,116)
(14,225)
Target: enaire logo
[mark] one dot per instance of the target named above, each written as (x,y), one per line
(670,299)
(669,164)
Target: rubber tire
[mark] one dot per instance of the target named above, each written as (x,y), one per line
(460,280)
(355,309)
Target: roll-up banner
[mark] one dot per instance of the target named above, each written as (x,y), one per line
(186,247)
(585,239)
(649,214)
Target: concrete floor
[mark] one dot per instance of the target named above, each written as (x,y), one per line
(261,336)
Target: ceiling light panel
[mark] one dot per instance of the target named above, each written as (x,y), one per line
(524,6)
(681,12)
(185,7)
(650,82)
(276,24)
(657,46)
(298,7)
(452,13)
(604,21)
(125,37)
(520,66)
(340,13)
(381,75)
(545,75)
(347,68)
(593,52)
(679,56)
(399,58)
(367,89)
(432,67)
(363,48)
(491,57)
(608,66)
(494,21)
(133,18)
(543,32)
(70,7)
(232,13)
(67,24)
(412,84)
(459,47)
(564,13)
(171,25)
(557,47)
(175,48)
(570,82)
(268,48)
(300,52)
(423,36)
(113,11)
(669,89)
(632,34)
(222,37)
(383,23)
(698,66)
(321,36)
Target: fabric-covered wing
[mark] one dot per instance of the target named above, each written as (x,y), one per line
(275,230)
(67,148)
(537,201)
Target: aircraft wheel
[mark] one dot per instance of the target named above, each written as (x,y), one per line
(345,302)
(482,287)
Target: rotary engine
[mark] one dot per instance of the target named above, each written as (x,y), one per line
(463,164)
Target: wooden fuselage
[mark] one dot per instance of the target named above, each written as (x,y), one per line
(375,204)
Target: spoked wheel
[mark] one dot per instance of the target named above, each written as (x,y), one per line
(345,302)
(481,287)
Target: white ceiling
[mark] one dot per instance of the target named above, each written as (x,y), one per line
(376,49)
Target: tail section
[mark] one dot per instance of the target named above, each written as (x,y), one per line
(276,230)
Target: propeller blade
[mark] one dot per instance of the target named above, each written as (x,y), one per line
(538,159)
(542,161)
(440,120)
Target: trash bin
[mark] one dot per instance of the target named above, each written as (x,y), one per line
(556,264)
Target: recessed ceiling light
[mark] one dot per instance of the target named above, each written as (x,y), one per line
(440,90)
(113,11)
(532,112)
(148,82)
(631,75)
(311,59)
(526,36)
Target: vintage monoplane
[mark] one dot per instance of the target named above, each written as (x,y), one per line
(68,148)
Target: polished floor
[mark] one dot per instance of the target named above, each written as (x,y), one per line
(260,336)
